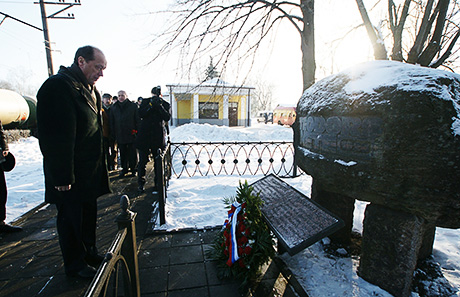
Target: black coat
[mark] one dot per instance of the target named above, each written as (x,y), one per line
(155,114)
(124,121)
(70,136)
(3,143)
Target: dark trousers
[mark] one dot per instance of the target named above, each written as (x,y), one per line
(3,195)
(110,152)
(143,160)
(128,157)
(76,226)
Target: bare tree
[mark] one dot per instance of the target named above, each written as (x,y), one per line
(433,25)
(6,85)
(262,98)
(234,31)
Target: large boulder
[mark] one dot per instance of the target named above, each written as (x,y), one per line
(388,133)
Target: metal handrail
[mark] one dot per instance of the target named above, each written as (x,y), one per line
(225,158)
(100,281)
(122,255)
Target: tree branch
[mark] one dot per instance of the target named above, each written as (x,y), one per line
(434,45)
(447,53)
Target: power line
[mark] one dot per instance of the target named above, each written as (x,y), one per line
(18,20)
(55,15)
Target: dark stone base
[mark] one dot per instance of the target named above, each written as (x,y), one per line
(427,242)
(390,248)
(339,205)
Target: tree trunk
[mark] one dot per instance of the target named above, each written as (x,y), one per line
(422,34)
(434,46)
(308,43)
(380,53)
(397,26)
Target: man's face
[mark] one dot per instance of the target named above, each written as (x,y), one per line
(93,69)
(107,101)
(121,96)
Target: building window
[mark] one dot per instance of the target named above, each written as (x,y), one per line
(209,110)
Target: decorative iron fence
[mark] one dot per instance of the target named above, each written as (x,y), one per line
(162,169)
(232,158)
(118,275)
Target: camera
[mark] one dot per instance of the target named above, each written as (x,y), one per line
(156,91)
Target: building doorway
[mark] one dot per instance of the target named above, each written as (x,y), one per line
(233,114)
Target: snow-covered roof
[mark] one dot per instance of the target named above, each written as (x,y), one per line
(214,82)
(212,86)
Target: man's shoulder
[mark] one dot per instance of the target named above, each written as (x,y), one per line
(54,83)
(132,104)
(164,102)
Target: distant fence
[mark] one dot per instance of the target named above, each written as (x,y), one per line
(232,158)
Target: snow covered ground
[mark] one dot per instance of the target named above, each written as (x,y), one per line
(197,202)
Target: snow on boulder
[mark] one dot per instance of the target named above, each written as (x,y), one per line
(388,133)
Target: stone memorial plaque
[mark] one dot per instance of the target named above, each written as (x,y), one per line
(296,220)
(341,136)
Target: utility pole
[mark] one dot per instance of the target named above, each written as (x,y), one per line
(49,60)
(45,18)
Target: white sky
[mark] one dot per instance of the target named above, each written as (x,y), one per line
(122,29)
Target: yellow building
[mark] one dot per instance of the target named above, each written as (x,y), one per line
(214,102)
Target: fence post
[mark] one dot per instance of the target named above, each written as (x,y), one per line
(160,179)
(126,219)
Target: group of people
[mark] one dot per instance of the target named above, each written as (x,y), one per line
(137,131)
(79,149)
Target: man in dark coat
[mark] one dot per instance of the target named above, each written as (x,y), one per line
(109,142)
(124,122)
(70,136)
(155,114)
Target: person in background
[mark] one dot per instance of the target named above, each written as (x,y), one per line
(155,114)
(109,143)
(139,101)
(69,120)
(4,227)
(115,100)
(124,122)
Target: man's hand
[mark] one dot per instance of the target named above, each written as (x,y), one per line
(5,153)
(62,188)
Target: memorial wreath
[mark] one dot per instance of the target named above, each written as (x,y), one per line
(245,241)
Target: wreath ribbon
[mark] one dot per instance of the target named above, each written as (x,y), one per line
(232,217)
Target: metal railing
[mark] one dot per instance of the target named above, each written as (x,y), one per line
(232,158)
(118,275)
(162,169)
(220,158)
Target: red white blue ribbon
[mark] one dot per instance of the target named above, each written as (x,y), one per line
(232,217)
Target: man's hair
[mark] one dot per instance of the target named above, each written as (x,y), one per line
(87,52)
